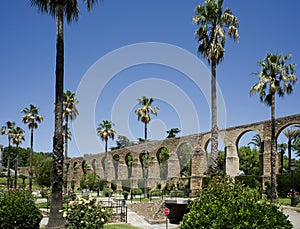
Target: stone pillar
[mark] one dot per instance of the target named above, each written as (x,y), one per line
(232,161)
(265,162)
(154,172)
(122,170)
(110,168)
(136,172)
(197,170)
(173,166)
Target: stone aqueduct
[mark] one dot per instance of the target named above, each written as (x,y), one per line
(198,144)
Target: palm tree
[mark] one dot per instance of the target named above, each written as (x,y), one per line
(144,111)
(105,131)
(291,134)
(69,111)
(255,141)
(59,9)
(274,72)
(8,130)
(211,35)
(31,117)
(17,138)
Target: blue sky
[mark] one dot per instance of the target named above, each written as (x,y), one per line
(28,64)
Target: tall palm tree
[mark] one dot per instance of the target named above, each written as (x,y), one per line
(275,77)
(105,131)
(59,9)
(8,130)
(213,22)
(291,134)
(17,138)
(32,118)
(69,111)
(144,111)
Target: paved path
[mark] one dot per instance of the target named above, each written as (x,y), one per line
(294,216)
(138,221)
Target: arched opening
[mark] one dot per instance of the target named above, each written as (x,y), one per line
(249,147)
(84,167)
(162,158)
(94,165)
(221,157)
(288,146)
(116,159)
(145,161)
(129,162)
(184,153)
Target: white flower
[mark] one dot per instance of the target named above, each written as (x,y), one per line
(65,214)
(60,210)
(102,220)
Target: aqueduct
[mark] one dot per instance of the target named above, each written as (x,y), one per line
(196,144)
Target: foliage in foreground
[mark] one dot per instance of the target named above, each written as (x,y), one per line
(86,213)
(18,210)
(225,204)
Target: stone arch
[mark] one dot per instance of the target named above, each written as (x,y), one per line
(163,156)
(184,154)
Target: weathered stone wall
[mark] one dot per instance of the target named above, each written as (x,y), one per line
(198,144)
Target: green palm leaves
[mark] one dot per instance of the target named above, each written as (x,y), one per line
(105,131)
(275,77)
(211,34)
(145,110)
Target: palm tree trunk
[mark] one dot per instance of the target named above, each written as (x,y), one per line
(30,159)
(273,153)
(105,168)
(16,166)
(290,153)
(56,219)
(281,161)
(214,130)
(65,159)
(145,134)
(8,163)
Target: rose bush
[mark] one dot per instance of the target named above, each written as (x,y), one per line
(86,213)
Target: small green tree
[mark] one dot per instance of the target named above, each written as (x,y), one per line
(228,204)
(43,172)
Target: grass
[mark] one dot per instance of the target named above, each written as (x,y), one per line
(119,226)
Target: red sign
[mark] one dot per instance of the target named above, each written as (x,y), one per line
(166,211)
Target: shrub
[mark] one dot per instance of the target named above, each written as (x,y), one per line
(86,213)
(137,191)
(228,204)
(177,193)
(156,192)
(18,210)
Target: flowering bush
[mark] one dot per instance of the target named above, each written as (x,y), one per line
(70,195)
(86,213)
(297,196)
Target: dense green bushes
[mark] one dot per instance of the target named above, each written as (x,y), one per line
(18,210)
(227,204)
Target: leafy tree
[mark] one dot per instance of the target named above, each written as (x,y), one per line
(281,148)
(249,160)
(43,171)
(225,204)
(122,142)
(18,137)
(59,9)
(275,77)
(211,35)
(70,111)
(184,155)
(23,156)
(172,132)
(163,156)
(129,162)
(8,130)
(144,111)
(31,117)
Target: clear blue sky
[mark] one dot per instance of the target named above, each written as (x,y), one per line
(27,59)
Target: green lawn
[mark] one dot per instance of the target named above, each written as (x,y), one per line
(286,202)
(119,226)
